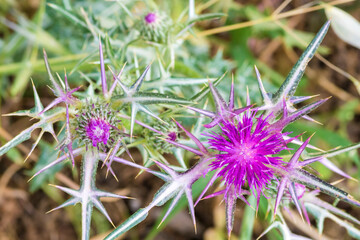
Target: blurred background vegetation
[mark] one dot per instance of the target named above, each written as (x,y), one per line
(268,33)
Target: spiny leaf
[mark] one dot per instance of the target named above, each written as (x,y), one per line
(199,96)
(320,214)
(163,195)
(152,98)
(139,216)
(178,81)
(289,86)
(336,151)
(303,177)
(206,16)
(45,124)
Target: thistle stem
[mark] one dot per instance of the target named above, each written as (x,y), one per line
(89,167)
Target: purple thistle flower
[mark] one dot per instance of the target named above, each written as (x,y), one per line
(155,27)
(97,125)
(98,131)
(246,152)
(150,18)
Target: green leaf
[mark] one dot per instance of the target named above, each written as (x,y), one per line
(152,98)
(139,216)
(283,228)
(199,96)
(206,16)
(248,220)
(57,64)
(178,81)
(336,151)
(321,214)
(21,137)
(68,15)
(46,124)
(303,177)
(291,82)
(22,79)
(110,52)
(197,189)
(292,41)
(35,34)
(167,191)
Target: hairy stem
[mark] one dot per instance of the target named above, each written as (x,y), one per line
(89,167)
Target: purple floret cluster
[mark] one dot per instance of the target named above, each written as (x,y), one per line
(246,152)
(150,18)
(98,130)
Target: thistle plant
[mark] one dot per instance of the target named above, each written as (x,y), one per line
(246,149)
(245,154)
(155,27)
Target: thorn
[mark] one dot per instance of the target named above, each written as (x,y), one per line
(31,178)
(338,181)
(126,197)
(164,139)
(312,136)
(302,218)
(115,177)
(107,158)
(160,224)
(273,218)
(112,224)
(140,172)
(113,174)
(247,96)
(50,211)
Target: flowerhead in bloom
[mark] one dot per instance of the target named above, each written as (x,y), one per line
(98,130)
(168,130)
(96,125)
(246,152)
(150,18)
(155,26)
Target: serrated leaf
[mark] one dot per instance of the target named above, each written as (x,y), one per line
(291,82)
(320,215)
(178,81)
(331,208)
(21,137)
(199,96)
(336,151)
(164,194)
(152,98)
(197,189)
(285,231)
(344,25)
(139,216)
(46,124)
(303,177)
(206,16)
